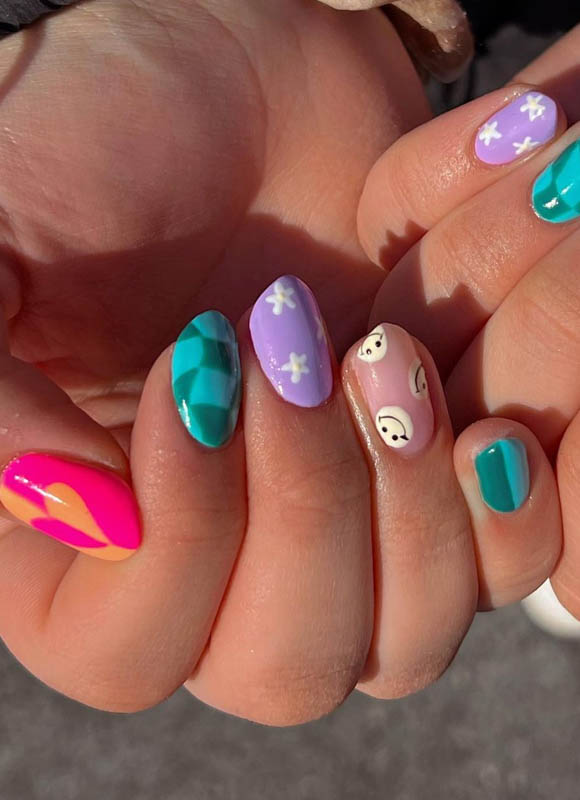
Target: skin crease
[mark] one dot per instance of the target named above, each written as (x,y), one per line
(220,154)
(211,163)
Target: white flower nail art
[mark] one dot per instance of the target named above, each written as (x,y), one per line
(523,147)
(489,132)
(282,297)
(395,426)
(297,366)
(374,348)
(418,379)
(533,106)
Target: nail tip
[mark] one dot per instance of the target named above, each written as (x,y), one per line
(556,190)
(85,507)
(502,470)
(289,339)
(206,378)
(516,130)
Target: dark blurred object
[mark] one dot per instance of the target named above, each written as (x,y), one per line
(16,13)
(508,36)
(436,33)
(536,16)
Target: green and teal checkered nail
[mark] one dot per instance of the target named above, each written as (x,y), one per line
(504,475)
(206,378)
(556,192)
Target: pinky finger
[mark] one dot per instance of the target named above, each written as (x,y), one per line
(566,577)
(511,492)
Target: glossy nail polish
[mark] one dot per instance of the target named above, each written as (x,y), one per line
(206,378)
(556,192)
(393,381)
(87,508)
(504,475)
(290,342)
(514,131)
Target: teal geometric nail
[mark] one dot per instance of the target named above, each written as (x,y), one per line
(206,378)
(556,192)
(504,475)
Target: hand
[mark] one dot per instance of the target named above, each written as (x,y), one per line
(487,283)
(159,159)
(267,579)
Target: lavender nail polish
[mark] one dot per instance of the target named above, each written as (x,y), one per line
(523,125)
(290,342)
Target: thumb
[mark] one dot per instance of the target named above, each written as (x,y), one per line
(62,473)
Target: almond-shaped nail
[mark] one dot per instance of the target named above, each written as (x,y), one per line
(523,125)
(556,192)
(88,508)
(393,380)
(289,338)
(503,473)
(206,378)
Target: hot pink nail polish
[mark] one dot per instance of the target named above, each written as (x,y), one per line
(89,509)
(392,378)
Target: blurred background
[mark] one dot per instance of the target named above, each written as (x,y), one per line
(502,723)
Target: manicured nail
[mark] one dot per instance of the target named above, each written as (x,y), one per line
(206,378)
(556,192)
(392,378)
(504,475)
(290,341)
(523,125)
(87,508)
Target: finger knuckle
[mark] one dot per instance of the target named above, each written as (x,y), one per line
(282,695)
(409,679)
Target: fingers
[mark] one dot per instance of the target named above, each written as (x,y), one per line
(446,288)
(435,168)
(455,528)
(523,364)
(511,492)
(566,577)
(294,627)
(124,636)
(425,574)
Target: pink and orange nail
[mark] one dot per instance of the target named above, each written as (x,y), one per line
(88,508)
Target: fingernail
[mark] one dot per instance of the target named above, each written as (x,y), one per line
(556,192)
(87,508)
(290,342)
(523,125)
(206,378)
(503,474)
(392,378)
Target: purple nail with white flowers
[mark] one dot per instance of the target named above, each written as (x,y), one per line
(289,338)
(525,124)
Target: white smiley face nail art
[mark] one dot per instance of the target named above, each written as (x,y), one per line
(374,347)
(418,379)
(394,426)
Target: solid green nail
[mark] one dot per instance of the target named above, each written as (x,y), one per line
(206,378)
(504,474)
(556,192)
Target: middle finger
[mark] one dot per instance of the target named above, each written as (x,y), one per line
(449,284)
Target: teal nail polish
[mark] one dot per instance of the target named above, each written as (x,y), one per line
(556,192)
(504,475)
(206,378)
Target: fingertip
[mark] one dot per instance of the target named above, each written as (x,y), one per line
(511,493)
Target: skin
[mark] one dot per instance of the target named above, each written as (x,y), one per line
(297,605)
(112,242)
(484,282)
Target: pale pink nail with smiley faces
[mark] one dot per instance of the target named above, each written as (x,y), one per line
(393,381)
